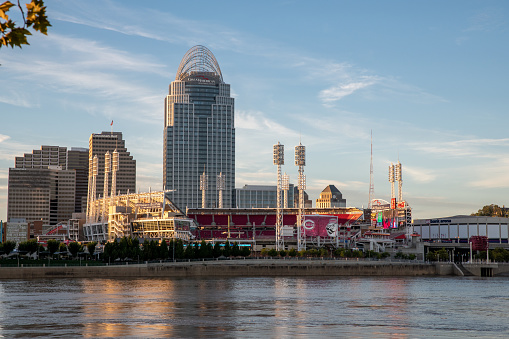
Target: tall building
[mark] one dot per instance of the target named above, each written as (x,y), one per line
(77,159)
(46,156)
(46,194)
(330,197)
(98,145)
(261,196)
(199,133)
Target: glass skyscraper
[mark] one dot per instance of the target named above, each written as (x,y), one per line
(199,133)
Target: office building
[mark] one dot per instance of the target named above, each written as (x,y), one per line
(46,156)
(99,144)
(261,196)
(330,197)
(46,194)
(77,159)
(199,133)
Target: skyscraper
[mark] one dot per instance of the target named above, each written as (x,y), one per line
(199,133)
(98,145)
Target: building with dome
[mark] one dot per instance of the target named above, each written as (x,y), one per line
(199,133)
(330,197)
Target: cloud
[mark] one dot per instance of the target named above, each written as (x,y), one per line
(3,138)
(419,174)
(463,148)
(255,120)
(340,91)
(487,20)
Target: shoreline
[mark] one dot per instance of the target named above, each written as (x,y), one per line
(235,268)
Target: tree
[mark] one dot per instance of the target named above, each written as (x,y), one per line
(282,253)
(493,211)
(216,251)
(62,247)
(235,251)
(8,246)
(13,35)
(272,252)
(163,250)
(245,251)
(189,252)
(91,247)
(74,248)
(179,249)
(29,246)
(53,246)
(292,252)
(227,249)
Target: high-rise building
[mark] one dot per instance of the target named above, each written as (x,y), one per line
(261,196)
(330,197)
(46,156)
(98,145)
(46,194)
(199,132)
(77,159)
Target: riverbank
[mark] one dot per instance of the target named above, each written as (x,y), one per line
(236,268)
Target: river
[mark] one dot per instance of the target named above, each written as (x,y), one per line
(353,307)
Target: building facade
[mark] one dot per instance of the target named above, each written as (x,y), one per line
(330,197)
(199,133)
(99,144)
(77,159)
(261,196)
(46,194)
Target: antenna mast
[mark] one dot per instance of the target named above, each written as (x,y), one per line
(371,181)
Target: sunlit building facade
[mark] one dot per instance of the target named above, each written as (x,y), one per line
(199,133)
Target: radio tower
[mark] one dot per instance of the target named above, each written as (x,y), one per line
(279,159)
(371,181)
(300,160)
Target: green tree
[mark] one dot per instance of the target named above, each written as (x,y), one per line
(245,251)
(75,248)
(264,252)
(8,246)
(216,251)
(29,246)
(163,250)
(227,249)
(292,252)
(282,253)
(91,248)
(431,256)
(53,246)
(493,211)
(324,252)
(62,247)
(235,252)
(179,249)
(272,252)
(12,34)
(189,251)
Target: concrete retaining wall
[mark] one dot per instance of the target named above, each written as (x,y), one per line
(233,268)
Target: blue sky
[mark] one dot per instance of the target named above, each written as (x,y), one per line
(429,78)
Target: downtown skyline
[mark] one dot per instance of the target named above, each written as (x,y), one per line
(429,79)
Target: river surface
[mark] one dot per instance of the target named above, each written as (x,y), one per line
(364,307)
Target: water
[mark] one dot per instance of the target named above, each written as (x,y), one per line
(424,307)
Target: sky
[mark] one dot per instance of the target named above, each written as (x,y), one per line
(428,80)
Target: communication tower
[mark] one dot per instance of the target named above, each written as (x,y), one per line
(221,186)
(371,180)
(204,182)
(279,160)
(300,160)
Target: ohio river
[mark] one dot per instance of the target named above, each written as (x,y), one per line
(364,307)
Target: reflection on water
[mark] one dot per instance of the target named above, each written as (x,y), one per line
(256,307)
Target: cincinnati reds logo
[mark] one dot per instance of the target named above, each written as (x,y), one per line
(309,224)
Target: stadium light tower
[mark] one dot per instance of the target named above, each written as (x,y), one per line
(204,182)
(279,160)
(95,162)
(114,170)
(391,180)
(398,175)
(300,160)
(107,170)
(285,188)
(221,186)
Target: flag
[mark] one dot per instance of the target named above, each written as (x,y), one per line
(111,123)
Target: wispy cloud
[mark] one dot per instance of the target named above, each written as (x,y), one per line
(421,175)
(462,148)
(255,120)
(486,20)
(342,90)
(3,138)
